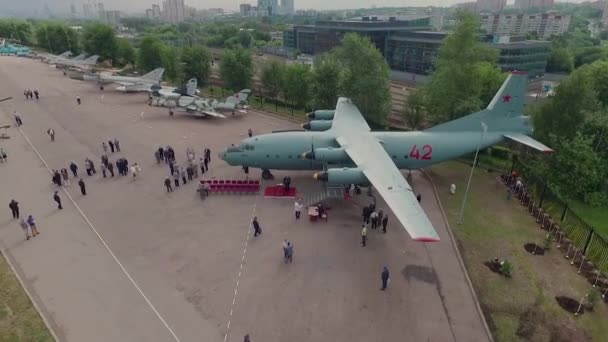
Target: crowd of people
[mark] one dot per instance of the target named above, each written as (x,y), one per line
(185,173)
(29,94)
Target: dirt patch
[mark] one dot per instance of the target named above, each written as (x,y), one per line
(569,304)
(535,249)
(494,267)
(533,325)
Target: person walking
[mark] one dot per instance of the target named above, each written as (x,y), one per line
(284,245)
(18,119)
(176,178)
(385,276)
(419,198)
(206,161)
(78,100)
(87,165)
(380,216)
(56,178)
(111,143)
(32,223)
(104,146)
(135,170)
(37,94)
(58,200)
(74,169)
(83,188)
(65,176)
(182,173)
(189,172)
(26,94)
(364,236)
(384,223)
(297,208)
(25,229)
(14,206)
(202,165)
(111,169)
(161,153)
(365,214)
(117,145)
(256,226)
(171,167)
(289,253)
(250,132)
(246,338)
(103,169)
(168,184)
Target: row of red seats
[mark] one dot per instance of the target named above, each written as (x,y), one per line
(232,186)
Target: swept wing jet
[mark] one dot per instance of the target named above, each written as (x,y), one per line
(129,84)
(77,62)
(342,144)
(186,100)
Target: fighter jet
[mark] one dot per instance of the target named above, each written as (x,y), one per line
(76,62)
(342,144)
(186,100)
(126,83)
(13,50)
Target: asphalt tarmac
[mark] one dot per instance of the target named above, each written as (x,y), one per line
(131,262)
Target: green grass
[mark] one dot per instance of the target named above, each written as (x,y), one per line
(496,227)
(596,217)
(19,320)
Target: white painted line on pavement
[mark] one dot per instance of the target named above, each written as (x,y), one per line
(104,242)
(238,277)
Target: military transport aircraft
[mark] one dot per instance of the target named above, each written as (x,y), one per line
(343,145)
(128,84)
(186,100)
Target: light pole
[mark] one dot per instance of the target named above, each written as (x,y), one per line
(484,128)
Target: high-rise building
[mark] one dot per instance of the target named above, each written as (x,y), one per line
(101,12)
(490,5)
(149,13)
(543,24)
(287,7)
(525,4)
(605,17)
(271,6)
(87,10)
(73,10)
(245,9)
(112,18)
(156,11)
(173,11)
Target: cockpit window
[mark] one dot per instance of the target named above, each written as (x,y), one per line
(241,148)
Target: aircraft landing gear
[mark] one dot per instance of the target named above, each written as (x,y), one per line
(267,175)
(100,87)
(170,112)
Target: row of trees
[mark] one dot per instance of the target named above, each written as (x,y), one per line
(355,69)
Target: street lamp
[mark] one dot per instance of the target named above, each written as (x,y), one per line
(484,128)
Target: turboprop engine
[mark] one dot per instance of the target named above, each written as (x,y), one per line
(327,155)
(317,125)
(342,176)
(323,114)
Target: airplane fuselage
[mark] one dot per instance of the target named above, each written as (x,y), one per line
(408,150)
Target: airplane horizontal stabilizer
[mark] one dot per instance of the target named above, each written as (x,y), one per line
(526,140)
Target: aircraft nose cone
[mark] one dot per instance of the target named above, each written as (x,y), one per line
(306,126)
(311,115)
(307,155)
(320,176)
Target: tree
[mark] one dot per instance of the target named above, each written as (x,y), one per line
(464,70)
(560,60)
(56,38)
(297,80)
(171,64)
(19,30)
(236,69)
(365,76)
(326,82)
(273,78)
(150,54)
(196,62)
(414,110)
(99,39)
(125,52)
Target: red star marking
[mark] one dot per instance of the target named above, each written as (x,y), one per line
(506,98)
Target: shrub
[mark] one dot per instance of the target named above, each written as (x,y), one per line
(506,268)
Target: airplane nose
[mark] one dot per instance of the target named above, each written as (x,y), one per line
(311,115)
(306,126)
(320,176)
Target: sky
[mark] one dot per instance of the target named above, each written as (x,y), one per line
(141,5)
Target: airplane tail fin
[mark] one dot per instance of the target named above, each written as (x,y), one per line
(504,113)
(65,54)
(191,87)
(92,60)
(155,74)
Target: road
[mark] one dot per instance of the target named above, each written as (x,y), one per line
(130,262)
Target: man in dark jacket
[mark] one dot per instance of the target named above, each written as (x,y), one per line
(385,277)
(74,169)
(83,189)
(14,205)
(256,226)
(384,223)
(168,184)
(58,200)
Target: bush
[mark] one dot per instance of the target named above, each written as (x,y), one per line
(500,152)
(548,240)
(506,268)
(592,298)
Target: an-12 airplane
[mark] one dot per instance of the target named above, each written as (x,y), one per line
(342,144)
(186,100)
(128,84)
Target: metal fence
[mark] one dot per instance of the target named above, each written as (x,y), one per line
(585,247)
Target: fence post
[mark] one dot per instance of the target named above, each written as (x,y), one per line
(564,213)
(542,195)
(588,242)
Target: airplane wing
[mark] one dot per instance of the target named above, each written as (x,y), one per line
(353,134)
(526,140)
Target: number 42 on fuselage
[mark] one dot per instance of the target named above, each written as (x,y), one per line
(341,142)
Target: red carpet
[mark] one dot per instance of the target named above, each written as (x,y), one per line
(277,191)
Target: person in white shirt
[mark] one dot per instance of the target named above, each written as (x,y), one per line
(297,207)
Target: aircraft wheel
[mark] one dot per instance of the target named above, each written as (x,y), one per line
(267,175)
(101,88)
(170,113)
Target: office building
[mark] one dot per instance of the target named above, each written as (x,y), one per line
(112,18)
(156,11)
(149,13)
(87,10)
(270,6)
(544,25)
(326,34)
(173,11)
(490,5)
(245,10)
(416,52)
(526,4)
(73,12)
(605,17)
(101,12)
